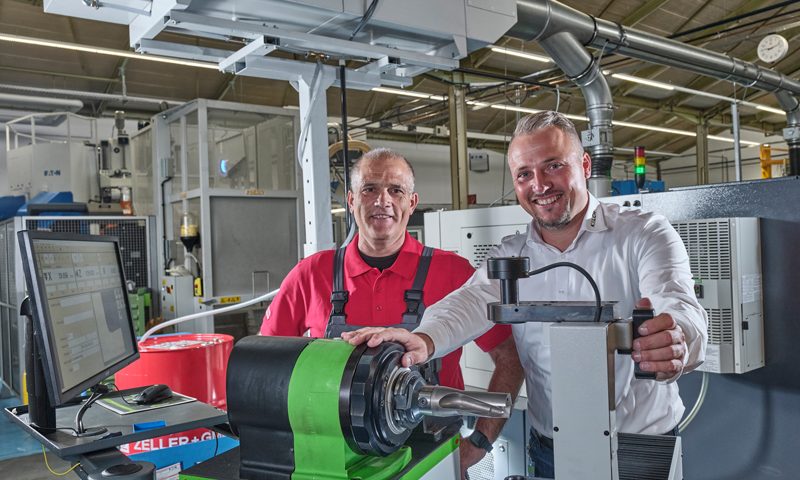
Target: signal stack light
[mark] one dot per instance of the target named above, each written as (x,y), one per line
(639,167)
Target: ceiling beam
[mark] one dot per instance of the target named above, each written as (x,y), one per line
(225,85)
(642,12)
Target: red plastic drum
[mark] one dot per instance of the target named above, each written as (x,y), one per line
(192,364)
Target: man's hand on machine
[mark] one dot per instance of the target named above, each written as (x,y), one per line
(419,347)
(661,348)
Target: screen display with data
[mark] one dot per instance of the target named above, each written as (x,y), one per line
(85,308)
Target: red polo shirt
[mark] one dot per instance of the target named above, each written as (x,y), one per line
(376,298)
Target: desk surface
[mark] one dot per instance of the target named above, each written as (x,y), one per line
(176,418)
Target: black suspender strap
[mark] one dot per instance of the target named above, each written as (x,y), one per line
(339,295)
(414,296)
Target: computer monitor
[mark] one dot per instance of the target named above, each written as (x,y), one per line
(79,305)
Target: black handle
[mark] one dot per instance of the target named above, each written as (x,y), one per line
(639,317)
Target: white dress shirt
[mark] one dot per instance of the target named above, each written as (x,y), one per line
(630,255)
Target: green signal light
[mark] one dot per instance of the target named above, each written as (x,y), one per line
(640,169)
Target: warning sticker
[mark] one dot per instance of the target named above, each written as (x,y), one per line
(751,288)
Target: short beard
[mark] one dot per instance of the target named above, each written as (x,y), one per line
(557,224)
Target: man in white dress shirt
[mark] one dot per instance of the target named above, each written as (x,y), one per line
(636,258)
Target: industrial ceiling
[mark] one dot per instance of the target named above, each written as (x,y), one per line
(734,27)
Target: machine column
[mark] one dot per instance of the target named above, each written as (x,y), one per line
(315,163)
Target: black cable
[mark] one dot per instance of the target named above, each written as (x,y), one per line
(732,19)
(345,146)
(97,392)
(740,26)
(164,223)
(365,18)
(121,396)
(598,306)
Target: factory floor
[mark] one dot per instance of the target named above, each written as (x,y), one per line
(21,455)
(32,467)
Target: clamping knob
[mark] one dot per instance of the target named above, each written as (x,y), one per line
(508,270)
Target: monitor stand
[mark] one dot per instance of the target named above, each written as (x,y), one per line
(42,413)
(97,393)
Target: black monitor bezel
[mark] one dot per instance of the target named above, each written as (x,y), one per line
(36,292)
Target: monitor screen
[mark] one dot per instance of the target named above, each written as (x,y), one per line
(80,306)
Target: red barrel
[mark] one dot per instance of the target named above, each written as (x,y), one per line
(192,364)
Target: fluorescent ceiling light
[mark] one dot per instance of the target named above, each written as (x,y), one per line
(518,53)
(667,86)
(767,109)
(409,93)
(105,51)
(337,210)
(643,81)
(533,110)
(748,143)
(640,126)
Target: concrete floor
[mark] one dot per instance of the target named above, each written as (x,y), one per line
(21,455)
(32,467)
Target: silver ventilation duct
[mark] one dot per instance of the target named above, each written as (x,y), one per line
(14,106)
(542,19)
(92,96)
(584,71)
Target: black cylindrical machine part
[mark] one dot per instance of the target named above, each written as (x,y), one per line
(361,410)
(259,371)
(508,270)
(794,159)
(601,166)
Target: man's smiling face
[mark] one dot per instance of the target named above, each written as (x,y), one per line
(382,201)
(549,170)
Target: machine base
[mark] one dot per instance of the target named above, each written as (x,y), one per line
(430,460)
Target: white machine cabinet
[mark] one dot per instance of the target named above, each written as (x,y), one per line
(725,257)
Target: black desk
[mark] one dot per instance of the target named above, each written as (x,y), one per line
(98,452)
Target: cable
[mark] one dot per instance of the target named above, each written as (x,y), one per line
(701,397)
(186,318)
(121,396)
(598,305)
(350,234)
(44,454)
(558,99)
(165,243)
(501,197)
(196,262)
(97,392)
(364,19)
(345,145)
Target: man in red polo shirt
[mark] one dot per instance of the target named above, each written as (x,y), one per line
(385,277)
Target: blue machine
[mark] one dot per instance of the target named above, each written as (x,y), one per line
(628,187)
(9,205)
(45,198)
(59,203)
